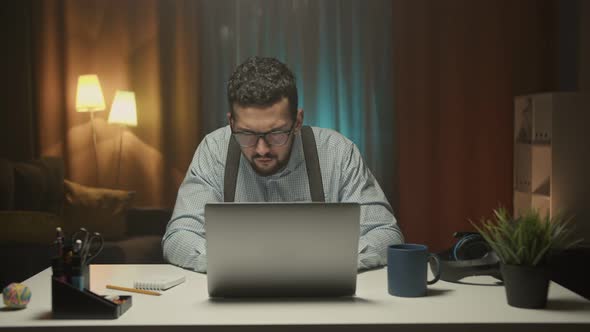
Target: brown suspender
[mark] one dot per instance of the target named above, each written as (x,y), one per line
(312,163)
(232,164)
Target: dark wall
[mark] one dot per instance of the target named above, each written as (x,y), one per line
(17,139)
(584,49)
(567,31)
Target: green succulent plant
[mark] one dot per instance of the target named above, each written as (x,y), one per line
(527,239)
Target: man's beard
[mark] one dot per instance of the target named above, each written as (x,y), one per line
(269,171)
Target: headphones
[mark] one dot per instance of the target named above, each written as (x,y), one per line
(470,256)
(470,246)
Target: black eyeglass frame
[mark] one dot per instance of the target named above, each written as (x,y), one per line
(263,136)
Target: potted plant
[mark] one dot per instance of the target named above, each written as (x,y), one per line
(523,245)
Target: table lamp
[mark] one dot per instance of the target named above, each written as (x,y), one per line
(124,113)
(89,98)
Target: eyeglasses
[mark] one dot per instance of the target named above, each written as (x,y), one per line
(275,138)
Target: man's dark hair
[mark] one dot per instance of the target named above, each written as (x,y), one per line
(262,82)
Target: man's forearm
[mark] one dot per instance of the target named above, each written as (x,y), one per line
(375,245)
(180,248)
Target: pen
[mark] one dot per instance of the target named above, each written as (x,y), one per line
(134,290)
(57,265)
(59,241)
(77,246)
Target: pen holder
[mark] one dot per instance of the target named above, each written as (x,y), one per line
(69,302)
(73,272)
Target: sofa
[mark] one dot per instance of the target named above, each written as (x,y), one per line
(35,198)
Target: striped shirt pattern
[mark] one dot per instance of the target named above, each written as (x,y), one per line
(345,179)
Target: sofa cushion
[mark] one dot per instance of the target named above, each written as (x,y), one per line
(96,209)
(35,185)
(6,185)
(28,227)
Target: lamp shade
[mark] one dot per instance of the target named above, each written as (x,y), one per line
(89,96)
(124,110)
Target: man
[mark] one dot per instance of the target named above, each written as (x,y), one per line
(265,122)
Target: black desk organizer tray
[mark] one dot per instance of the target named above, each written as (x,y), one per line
(69,302)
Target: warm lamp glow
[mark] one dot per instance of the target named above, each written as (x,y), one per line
(89,96)
(124,110)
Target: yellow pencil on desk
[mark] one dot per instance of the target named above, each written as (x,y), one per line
(134,290)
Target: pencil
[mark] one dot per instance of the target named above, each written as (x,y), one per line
(134,290)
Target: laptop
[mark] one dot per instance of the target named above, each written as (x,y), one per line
(282,249)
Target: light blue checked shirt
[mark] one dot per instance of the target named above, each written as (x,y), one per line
(345,178)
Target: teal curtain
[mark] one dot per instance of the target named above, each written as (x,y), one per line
(339,51)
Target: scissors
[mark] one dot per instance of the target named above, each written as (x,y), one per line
(91,244)
(83,234)
(92,247)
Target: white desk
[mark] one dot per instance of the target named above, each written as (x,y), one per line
(187,307)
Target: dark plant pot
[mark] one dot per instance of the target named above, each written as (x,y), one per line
(526,286)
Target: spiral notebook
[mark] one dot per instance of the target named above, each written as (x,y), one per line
(158,282)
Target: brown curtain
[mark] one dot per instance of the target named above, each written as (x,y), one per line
(457,65)
(146,46)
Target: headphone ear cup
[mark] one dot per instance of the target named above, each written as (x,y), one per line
(472,246)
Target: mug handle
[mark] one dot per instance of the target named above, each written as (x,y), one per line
(437,270)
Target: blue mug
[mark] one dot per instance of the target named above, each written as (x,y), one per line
(406,269)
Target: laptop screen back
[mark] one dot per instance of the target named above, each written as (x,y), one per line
(282,249)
